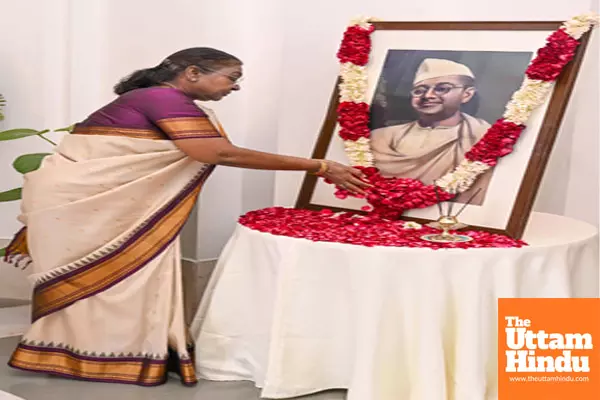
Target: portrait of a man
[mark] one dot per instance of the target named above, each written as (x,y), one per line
(442,126)
(424,95)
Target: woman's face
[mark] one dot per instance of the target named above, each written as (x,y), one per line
(212,85)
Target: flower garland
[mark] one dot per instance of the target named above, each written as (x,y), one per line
(351,228)
(390,197)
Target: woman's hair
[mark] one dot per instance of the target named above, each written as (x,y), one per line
(206,59)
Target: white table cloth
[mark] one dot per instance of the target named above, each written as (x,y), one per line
(8,396)
(298,317)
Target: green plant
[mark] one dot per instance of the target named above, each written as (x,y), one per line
(27,162)
(2,104)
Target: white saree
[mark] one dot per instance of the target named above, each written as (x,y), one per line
(102,221)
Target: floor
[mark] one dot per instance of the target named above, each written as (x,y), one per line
(14,321)
(40,387)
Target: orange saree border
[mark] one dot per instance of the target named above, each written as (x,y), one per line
(185,368)
(103,270)
(189,128)
(188,372)
(170,129)
(136,370)
(18,245)
(116,131)
(17,251)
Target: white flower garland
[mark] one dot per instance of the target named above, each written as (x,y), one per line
(359,152)
(354,83)
(531,95)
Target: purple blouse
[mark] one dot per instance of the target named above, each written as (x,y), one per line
(151,113)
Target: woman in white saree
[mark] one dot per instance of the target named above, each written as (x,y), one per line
(102,219)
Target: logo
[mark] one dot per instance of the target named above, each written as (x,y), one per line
(548,349)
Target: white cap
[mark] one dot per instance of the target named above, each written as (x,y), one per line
(435,68)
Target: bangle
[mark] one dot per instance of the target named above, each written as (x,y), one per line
(322,169)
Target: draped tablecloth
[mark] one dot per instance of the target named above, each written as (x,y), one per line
(8,396)
(386,323)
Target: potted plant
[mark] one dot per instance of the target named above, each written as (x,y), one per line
(27,162)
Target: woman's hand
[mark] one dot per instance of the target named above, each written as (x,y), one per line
(221,152)
(348,178)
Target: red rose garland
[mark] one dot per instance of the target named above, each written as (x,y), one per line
(497,142)
(546,66)
(354,120)
(356,45)
(391,197)
(551,59)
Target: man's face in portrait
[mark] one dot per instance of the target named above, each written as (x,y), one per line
(442,96)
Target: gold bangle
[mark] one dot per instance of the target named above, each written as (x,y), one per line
(322,169)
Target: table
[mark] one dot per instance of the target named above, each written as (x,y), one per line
(386,323)
(8,396)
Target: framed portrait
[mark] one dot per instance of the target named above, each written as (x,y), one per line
(434,89)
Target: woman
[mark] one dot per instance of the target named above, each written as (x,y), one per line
(102,220)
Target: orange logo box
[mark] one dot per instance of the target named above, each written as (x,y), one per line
(549,349)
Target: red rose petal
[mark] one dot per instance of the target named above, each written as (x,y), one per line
(352,228)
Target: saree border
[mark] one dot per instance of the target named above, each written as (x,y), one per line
(142,370)
(117,131)
(17,251)
(189,128)
(109,266)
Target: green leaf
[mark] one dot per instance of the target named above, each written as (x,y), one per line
(67,129)
(10,195)
(17,134)
(2,104)
(3,252)
(29,162)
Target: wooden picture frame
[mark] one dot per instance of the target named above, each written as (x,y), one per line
(547,132)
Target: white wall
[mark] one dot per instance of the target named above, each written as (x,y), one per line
(60,59)
(20,77)
(70,53)
(570,186)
